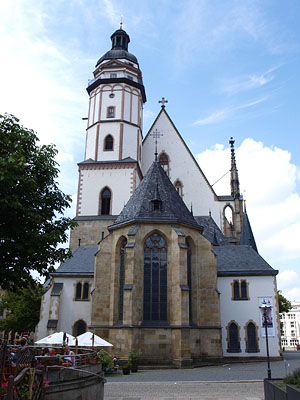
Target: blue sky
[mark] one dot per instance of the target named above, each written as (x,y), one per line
(227,68)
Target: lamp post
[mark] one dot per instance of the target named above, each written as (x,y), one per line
(265,307)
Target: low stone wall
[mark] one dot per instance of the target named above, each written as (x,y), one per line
(83,383)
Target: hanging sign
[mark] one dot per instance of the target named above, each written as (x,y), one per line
(269,310)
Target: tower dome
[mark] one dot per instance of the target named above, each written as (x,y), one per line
(119,49)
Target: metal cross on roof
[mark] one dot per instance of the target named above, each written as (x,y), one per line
(163,101)
(156,136)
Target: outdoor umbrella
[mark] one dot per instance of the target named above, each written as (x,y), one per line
(89,339)
(56,338)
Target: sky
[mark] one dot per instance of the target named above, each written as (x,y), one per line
(227,68)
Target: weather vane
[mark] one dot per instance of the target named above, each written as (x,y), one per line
(121,22)
(156,136)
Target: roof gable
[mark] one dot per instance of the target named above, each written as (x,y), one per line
(162,113)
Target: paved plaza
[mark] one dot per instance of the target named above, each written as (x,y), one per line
(239,381)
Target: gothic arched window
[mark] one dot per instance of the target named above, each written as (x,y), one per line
(164,162)
(189,278)
(105,200)
(244,294)
(233,338)
(79,328)
(252,345)
(85,293)
(108,143)
(236,290)
(178,186)
(122,278)
(155,278)
(78,291)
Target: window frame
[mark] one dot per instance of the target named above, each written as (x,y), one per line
(102,205)
(111,112)
(84,294)
(105,147)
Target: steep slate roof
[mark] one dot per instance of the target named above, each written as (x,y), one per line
(241,260)
(247,236)
(81,263)
(156,186)
(211,231)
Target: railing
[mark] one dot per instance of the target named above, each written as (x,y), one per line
(22,370)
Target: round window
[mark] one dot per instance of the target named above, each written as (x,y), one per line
(112,95)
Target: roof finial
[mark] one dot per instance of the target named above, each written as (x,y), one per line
(192,209)
(121,22)
(163,101)
(234,179)
(156,136)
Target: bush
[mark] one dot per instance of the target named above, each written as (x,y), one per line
(133,356)
(294,378)
(105,358)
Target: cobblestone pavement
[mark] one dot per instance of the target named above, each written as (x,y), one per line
(240,381)
(184,391)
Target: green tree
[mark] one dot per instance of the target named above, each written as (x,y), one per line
(22,309)
(284,304)
(31,206)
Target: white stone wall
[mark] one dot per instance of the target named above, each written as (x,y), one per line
(242,311)
(291,327)
(70,311)
(41,329)
(196,190)
(127,104)
(119,181)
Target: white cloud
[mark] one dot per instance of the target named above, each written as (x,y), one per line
(221,115)
(249,82)
(148,114)
(273,203)
(214,117)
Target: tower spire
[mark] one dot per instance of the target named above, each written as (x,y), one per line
(234,178)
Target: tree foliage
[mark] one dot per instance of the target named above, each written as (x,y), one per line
(31,206)
(22,309)
(284,304)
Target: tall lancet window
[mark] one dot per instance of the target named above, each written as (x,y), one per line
(155,279)
(122,279)
(189,278)
(164,162)
(105,202)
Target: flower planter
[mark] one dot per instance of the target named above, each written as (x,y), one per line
(134,368)
(126,370)
(273,392)
(293,393)
(93,361)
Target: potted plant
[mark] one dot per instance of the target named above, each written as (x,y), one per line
(106,360)
(92,358)
(133,357)
(126,368)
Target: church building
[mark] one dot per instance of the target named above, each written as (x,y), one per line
(161,263)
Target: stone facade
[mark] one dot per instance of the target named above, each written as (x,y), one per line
(178,342)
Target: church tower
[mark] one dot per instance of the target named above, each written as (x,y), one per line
(111,169)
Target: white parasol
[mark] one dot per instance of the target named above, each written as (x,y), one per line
(57,338)
(89,339)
